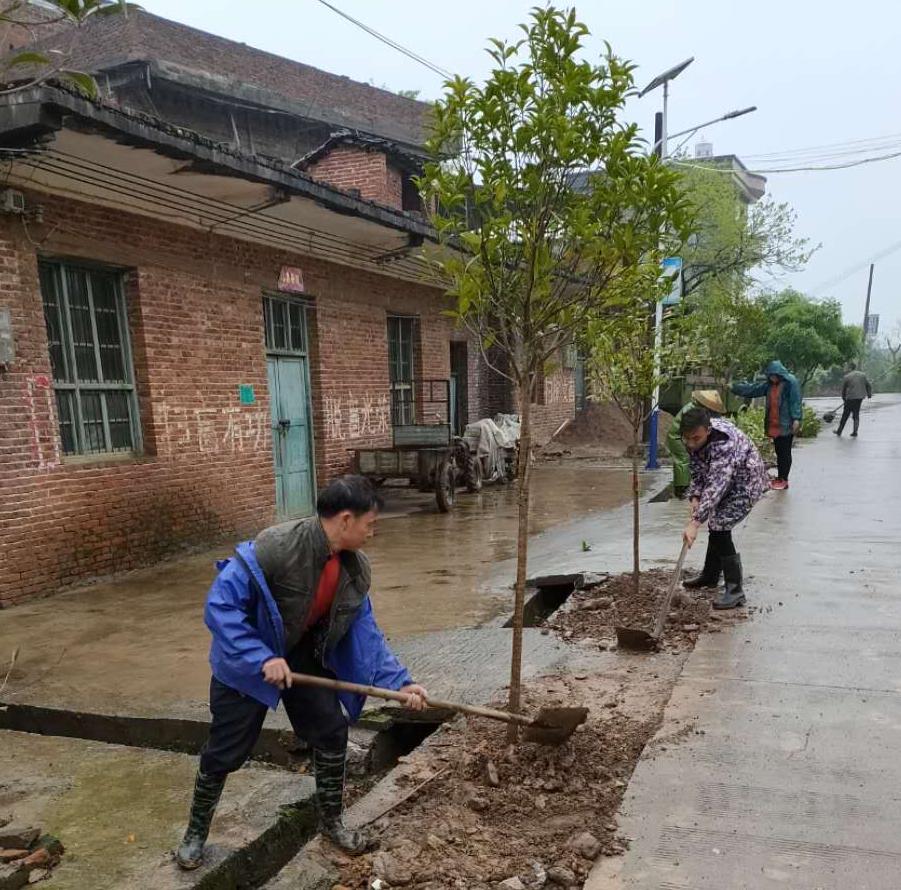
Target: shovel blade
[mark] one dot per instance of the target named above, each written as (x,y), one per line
(555,725)
(638,640)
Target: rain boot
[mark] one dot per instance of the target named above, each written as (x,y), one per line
(733,596)
(710,574)
(207,790)
(329,770)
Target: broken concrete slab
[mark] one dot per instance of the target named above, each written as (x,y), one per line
(120,811)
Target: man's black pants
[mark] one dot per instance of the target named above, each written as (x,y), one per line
(851,409)
(315,714)
(783,446)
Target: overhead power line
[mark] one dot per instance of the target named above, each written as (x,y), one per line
(798,169)
(410,54)
(857,267)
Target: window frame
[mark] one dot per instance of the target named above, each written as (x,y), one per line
(402,390)
(70,382)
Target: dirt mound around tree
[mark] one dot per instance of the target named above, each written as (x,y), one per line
(496,815)
(594,612)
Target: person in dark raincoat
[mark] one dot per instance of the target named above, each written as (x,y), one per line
(782,416)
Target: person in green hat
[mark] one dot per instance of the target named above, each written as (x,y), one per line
(703,398)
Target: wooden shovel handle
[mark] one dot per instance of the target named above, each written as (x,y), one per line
(391,695)
(667,600)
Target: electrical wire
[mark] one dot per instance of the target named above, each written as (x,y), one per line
(874,142)
(799,169)
(858,267)
(389,42)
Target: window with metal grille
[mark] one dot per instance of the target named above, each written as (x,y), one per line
(87,333)
(285,324)
(401,339)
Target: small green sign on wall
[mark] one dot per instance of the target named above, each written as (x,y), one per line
(246,394)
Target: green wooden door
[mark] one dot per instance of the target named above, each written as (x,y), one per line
(292,454)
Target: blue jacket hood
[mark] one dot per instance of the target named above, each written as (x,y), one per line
(776,367)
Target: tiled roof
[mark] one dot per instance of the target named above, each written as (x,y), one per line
(240,71)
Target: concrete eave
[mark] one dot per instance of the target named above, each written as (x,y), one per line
(63,143)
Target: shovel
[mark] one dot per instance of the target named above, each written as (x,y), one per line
(551,727)
(641,640)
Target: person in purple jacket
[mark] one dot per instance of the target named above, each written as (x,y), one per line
(728,476)
(295,599)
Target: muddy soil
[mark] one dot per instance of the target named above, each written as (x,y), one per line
(495,812)
(592,614)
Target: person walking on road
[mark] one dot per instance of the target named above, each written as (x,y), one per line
(295,599)
(782,415)
(855,388)
(728,476)
(705,398)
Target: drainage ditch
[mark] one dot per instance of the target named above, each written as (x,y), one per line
(545,595)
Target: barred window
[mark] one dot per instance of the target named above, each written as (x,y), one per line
(87,334)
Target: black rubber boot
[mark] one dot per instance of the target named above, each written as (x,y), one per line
(710,574)
(207,791)
(328,770)
(733,596)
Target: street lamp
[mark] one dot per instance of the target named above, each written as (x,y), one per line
(654,423)
(661,143)
(663,80)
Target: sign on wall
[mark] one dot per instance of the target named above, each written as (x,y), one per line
(290,280)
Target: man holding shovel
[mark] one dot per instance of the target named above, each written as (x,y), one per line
(728,476)
(704,398)
(295,600)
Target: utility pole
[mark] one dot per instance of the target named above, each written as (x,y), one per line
(866,311)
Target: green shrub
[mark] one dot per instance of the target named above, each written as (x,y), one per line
(810,423)
(750,422)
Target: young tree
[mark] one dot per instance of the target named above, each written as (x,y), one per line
(623,370)
(807,334)
(546,205)
(734,241)
(731,329)
(53,20)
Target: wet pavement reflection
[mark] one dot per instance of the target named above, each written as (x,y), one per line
(433,571)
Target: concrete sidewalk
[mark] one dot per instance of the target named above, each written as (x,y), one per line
(778,761)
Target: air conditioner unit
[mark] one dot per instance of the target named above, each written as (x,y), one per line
(12,201)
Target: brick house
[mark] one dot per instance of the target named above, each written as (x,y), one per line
(213,288)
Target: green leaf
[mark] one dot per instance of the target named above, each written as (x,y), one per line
(84,82)
(28,58)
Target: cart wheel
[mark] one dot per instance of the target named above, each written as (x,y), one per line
(474,476)
(446,486)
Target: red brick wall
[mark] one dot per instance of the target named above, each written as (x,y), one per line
(555,404)
(368,172)
(196,330)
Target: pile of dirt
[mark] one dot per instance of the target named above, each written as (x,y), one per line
(600,430)
(594,612)
(601,424)
(496,815)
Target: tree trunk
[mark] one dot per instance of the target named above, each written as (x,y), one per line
(522,553)
(636,444)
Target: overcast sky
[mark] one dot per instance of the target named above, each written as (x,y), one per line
(820,73)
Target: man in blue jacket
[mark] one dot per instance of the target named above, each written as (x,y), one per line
(782,417)
(295,599)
